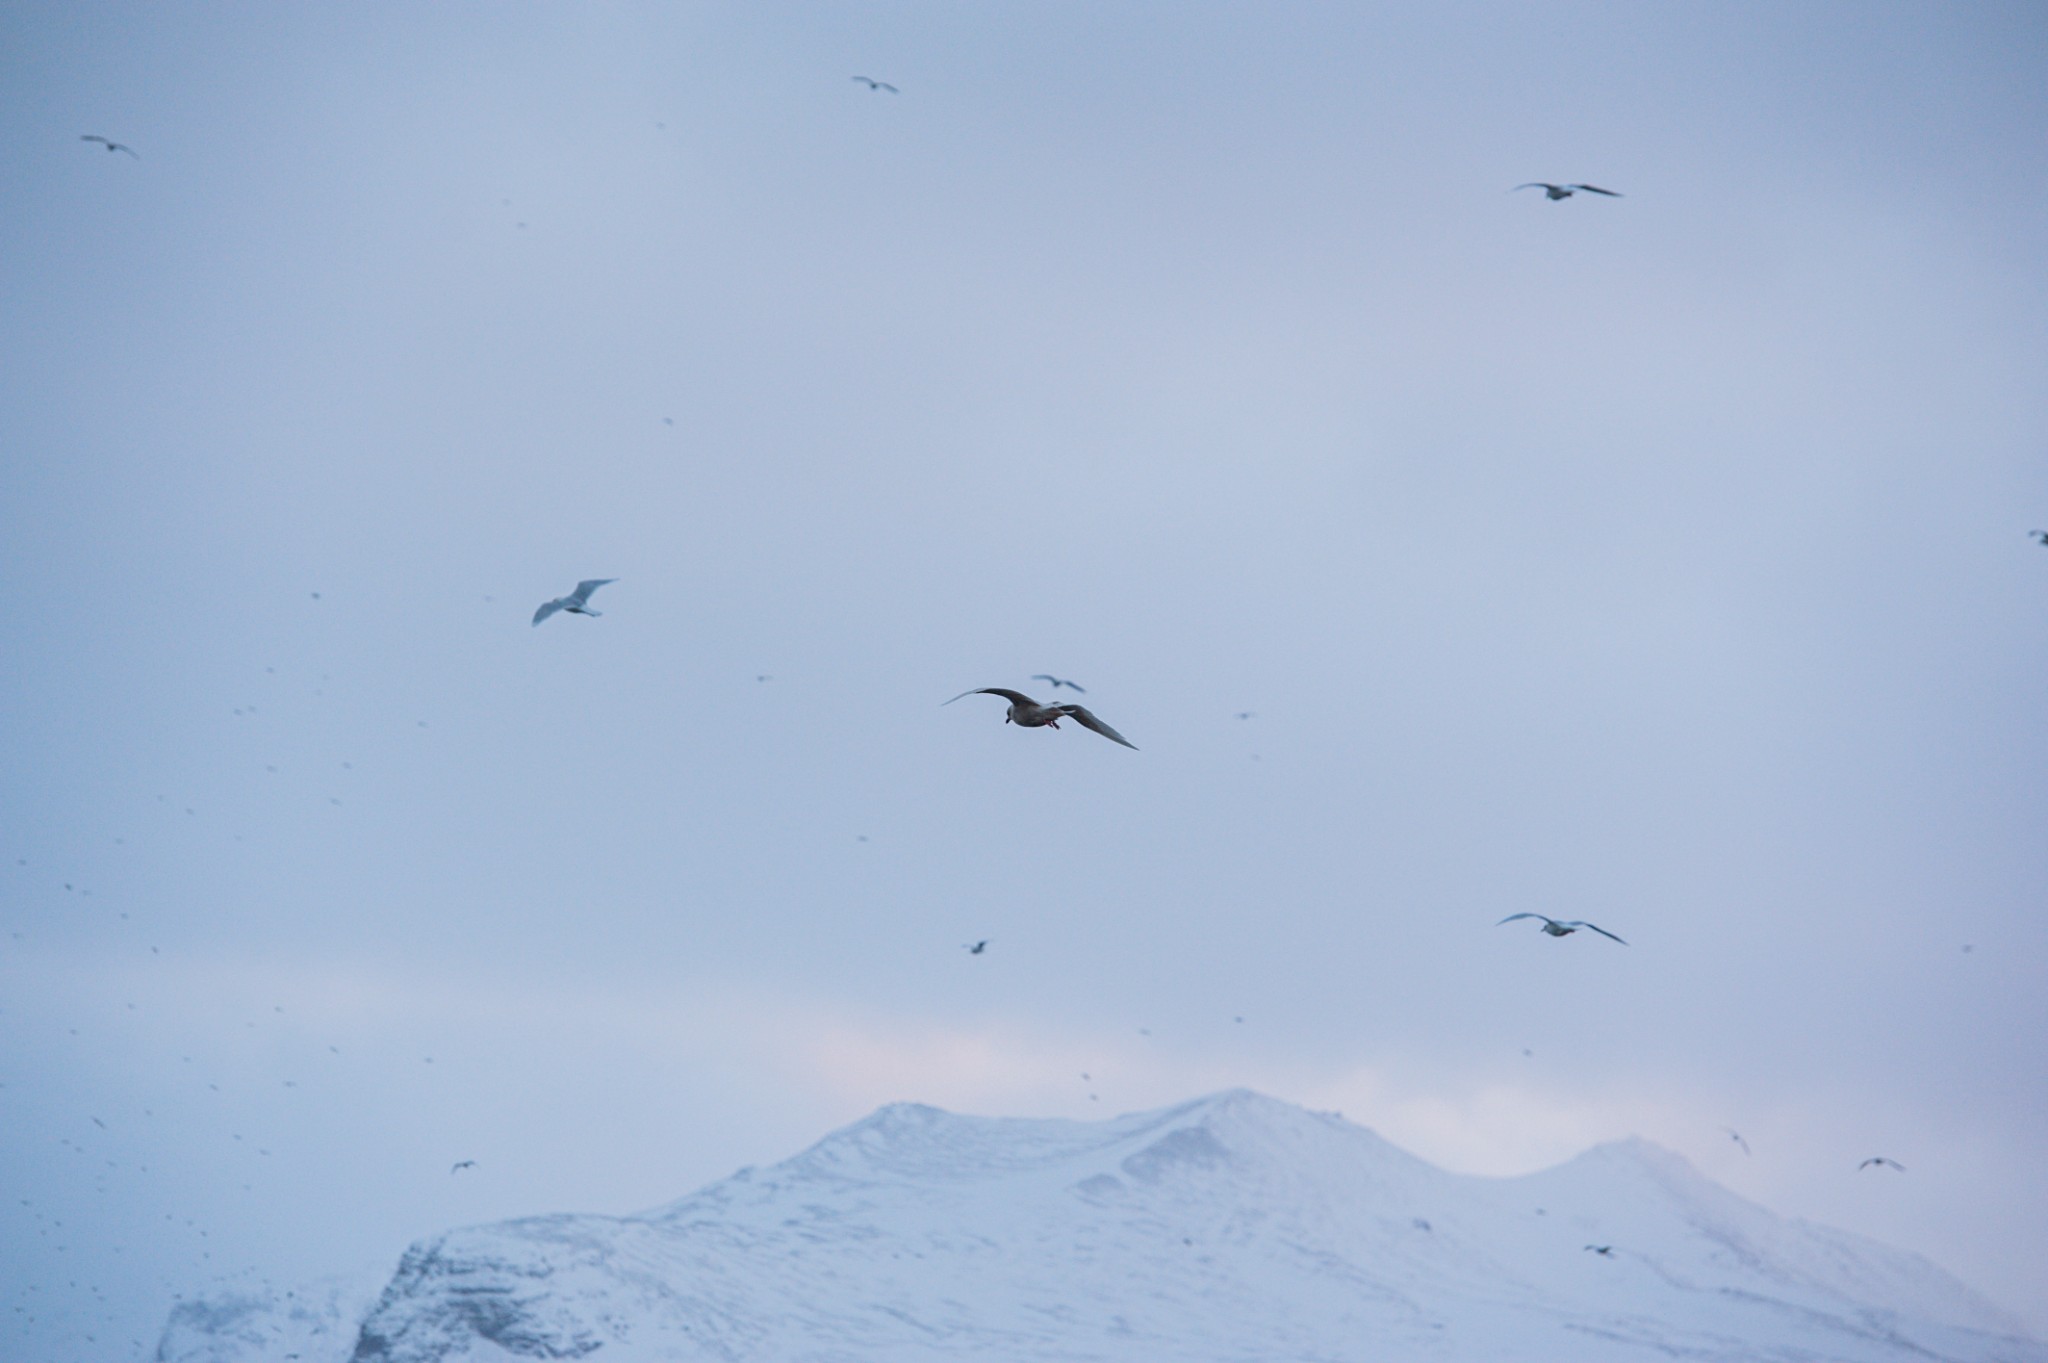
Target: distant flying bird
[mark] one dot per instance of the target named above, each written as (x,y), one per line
(1058,682)
(1736,1136)
(1880,1159)
(1029,714)
(1557,929)
(574,602)
(109,143)
(1551,191)
(878,85)
(1604,1251)
(976,948)
(460,1165)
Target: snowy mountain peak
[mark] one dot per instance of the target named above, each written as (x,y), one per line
(916,1141)
(1233,1226)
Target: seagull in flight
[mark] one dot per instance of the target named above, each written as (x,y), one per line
(1058,682)
(878,85)
(108,142)
(976,948)
(1604,1251)
(460,1165)
(1736,1136)
(1029,714)
(576,602)
(1557,929)
(1880,1159)
(1551,191)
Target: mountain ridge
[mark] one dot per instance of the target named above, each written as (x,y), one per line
(1233,1226)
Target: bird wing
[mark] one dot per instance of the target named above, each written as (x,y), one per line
(1533,184)
(1014,697)
(884,85)
(1513,916)
(586,587)
(547,608)
(1595,189)
(1088,721)
(1576,923)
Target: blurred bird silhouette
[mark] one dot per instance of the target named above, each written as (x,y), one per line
(1551,191)
(109,143)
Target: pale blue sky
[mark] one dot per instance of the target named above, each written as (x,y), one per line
(1658,560)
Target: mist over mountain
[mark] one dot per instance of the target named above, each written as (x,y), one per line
(1230,1227)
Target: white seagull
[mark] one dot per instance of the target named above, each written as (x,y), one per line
(576,602)
(1029,714)
(1557,929)
(878,85)
(1058,682)
(1551,191)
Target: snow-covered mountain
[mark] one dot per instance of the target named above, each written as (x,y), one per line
(1234,1227)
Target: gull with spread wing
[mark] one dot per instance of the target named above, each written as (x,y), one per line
(1029,714)
(576,602)
(1557,929)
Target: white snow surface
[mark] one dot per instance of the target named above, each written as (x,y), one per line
(1234,1227)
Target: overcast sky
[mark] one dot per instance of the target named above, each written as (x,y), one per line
(1658,560)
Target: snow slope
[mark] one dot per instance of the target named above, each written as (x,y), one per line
(1233,1227)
